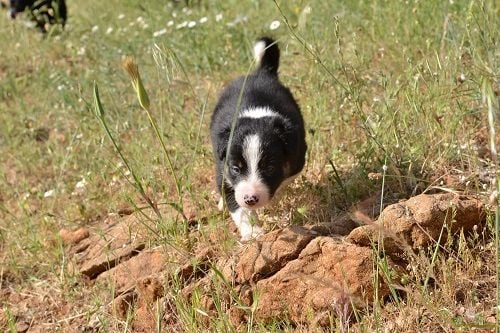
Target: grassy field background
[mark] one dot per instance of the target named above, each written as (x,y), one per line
(402,84)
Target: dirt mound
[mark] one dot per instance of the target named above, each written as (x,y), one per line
(297,274)
(293,264)
(326,273)
(420,221)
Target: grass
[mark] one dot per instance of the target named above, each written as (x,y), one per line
(407,85)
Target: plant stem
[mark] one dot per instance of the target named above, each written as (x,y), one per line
(137,183)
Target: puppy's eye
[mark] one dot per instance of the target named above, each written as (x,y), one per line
(235,169)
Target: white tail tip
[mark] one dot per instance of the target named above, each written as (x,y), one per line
(258,51)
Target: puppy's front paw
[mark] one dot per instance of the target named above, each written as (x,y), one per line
(246,221)
(251,233)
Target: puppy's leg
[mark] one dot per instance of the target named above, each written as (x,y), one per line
(245,220)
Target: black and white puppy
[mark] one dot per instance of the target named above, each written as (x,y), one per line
(49,11)
(258,139)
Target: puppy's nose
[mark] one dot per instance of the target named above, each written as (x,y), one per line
(250,199)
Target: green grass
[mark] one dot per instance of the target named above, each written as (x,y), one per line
(379,82)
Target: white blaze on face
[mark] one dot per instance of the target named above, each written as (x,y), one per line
(252,185)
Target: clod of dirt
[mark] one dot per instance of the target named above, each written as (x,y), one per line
(270,253)
(22,326)
(103,251)
(73,237)
(123,303)
(419,221)
(124,275)
(150,290)
(326,272)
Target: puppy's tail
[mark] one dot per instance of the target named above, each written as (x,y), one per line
(267,55)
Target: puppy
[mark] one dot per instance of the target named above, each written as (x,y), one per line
(49,11)
(258,139)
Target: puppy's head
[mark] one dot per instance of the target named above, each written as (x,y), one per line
(256,164)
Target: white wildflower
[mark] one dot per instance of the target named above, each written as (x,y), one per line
(218,17)
(81,51)
(121,16)
(109,30)
(81,184)
(182,25)
(239,19)
(95,28)
(384,167)
(48,194)
(170,23)
(203,20)
(191,24)
(274,25)
(160,32)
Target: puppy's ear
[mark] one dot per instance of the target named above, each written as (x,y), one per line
(222,141)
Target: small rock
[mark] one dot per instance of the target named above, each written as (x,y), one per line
(22,327)
(149,289)
(270,252)
(123,303)
(237,316)
(73,237)
(491,319)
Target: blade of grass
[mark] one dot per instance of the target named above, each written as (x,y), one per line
(99,112)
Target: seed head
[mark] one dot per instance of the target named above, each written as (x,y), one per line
(133,71)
